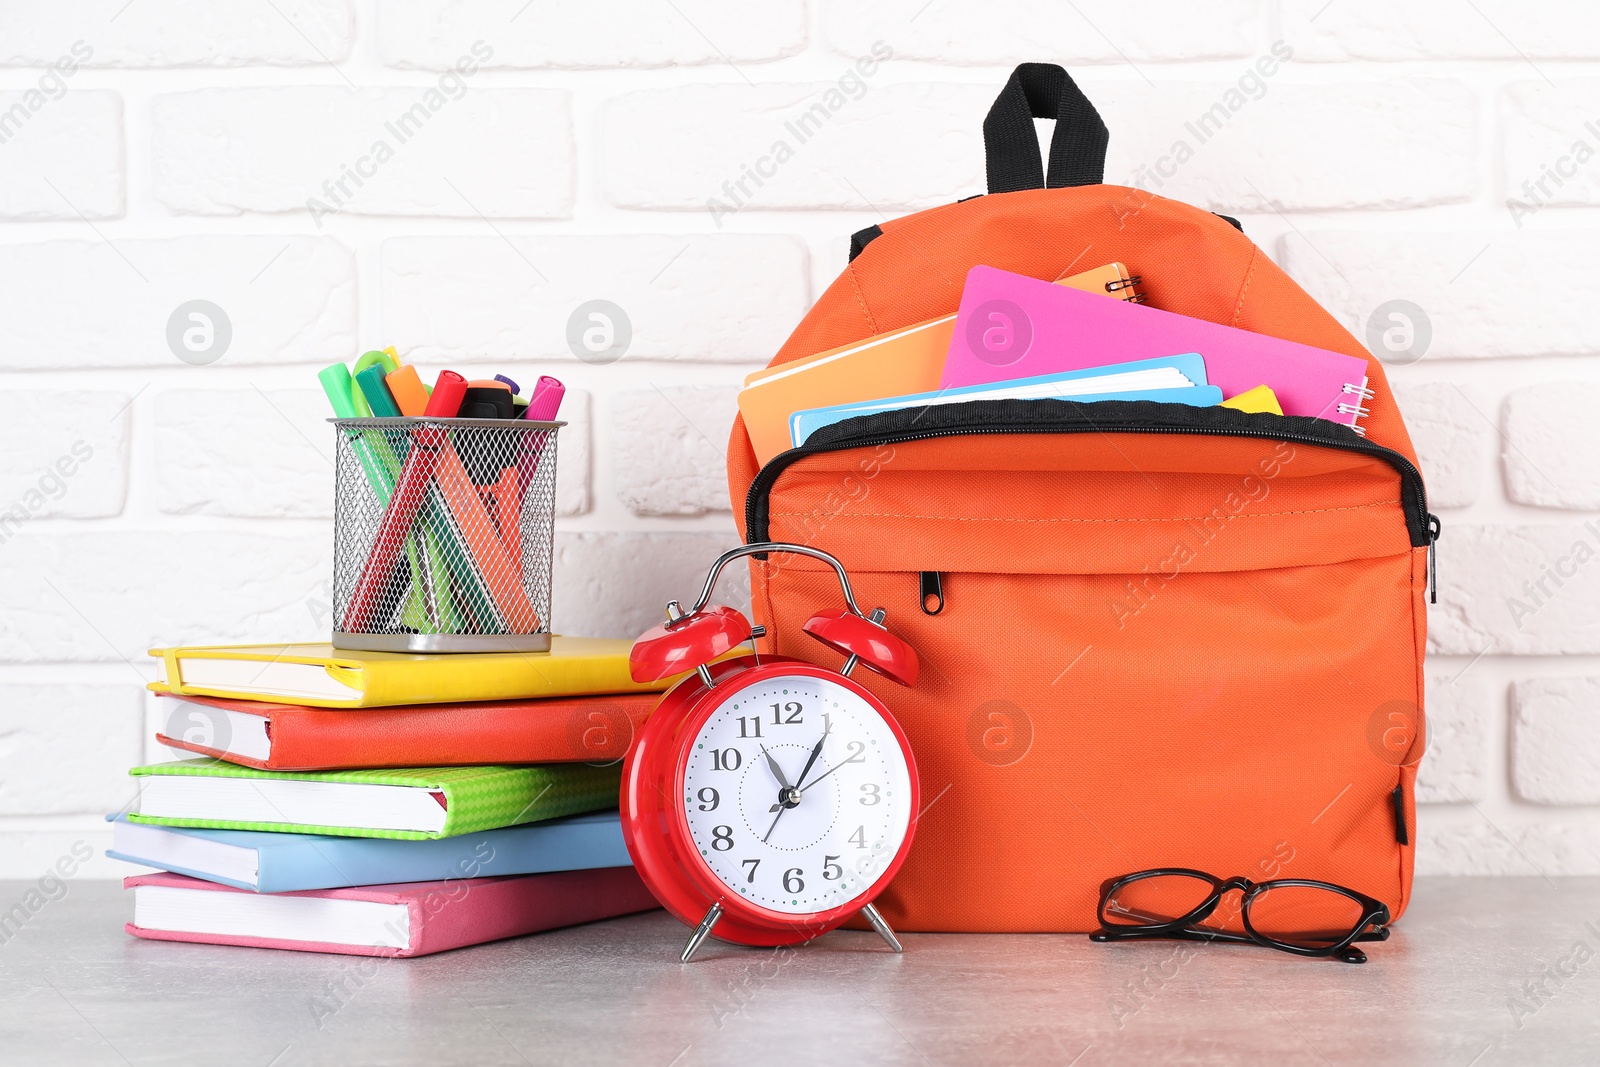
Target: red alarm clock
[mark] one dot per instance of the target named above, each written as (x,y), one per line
(768,799)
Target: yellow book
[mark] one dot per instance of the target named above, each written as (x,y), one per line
(320,675)
(897,363)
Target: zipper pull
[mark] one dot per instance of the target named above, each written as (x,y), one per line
(932,593)
(1434,527)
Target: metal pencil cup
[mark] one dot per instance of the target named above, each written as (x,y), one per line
(442,534)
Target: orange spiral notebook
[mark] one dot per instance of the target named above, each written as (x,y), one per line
(897,363)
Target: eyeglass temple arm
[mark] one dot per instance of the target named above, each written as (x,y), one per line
(1169,933)
(1182,933)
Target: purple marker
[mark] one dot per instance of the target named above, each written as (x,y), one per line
(507,381)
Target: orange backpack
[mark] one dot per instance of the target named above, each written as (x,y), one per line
(1151,635)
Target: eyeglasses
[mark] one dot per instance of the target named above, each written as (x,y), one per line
(1294,915)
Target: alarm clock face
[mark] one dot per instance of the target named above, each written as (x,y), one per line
(778,833)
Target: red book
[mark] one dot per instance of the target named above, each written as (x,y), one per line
(289,737)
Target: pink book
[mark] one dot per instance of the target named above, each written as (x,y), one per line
(408,919)
(1012,326)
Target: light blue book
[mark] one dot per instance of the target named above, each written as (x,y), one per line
(285,863)
(1062,386)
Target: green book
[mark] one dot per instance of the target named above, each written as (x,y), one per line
(415,803)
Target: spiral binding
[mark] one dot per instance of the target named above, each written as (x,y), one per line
(1361,391)
(1127,283)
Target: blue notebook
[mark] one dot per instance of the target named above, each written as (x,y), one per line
(286,863)
(1190,366)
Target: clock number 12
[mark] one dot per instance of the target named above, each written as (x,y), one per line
(787,714)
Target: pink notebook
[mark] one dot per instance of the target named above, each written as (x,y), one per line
(407,919)
(1012,326)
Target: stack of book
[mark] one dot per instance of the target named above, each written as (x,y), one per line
(384,804)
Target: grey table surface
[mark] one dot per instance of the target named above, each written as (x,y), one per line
(1484,971)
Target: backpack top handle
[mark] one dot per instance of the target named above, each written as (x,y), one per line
(1011,145)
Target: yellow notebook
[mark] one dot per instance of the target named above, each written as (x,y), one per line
(323,676)
(909,360)
(1259,399)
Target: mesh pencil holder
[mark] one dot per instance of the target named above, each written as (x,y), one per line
(442,534)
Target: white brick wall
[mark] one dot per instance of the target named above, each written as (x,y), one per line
(69,455)
(165,151)
(1544,122)
(1452,438)
(1487,292)
(63,154)
(729,298)
(1416,135)
(674,441)
(178,33)
(589,34)
(720,149)
(102,304)
(1007,30)
(1549,452)
(1555,740)
(1439,29)
(67,748)
(248,453)
(461,152)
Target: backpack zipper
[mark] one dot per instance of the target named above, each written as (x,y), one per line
(1109,416)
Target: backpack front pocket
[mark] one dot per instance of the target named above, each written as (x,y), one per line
(1152,650)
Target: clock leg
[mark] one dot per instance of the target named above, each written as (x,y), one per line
(878,924)
(703,931)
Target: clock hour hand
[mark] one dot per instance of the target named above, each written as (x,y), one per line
(777,771)
(788,795)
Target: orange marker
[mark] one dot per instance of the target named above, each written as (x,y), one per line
(410,395)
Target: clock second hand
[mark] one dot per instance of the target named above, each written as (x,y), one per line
(823,775)
(795,790)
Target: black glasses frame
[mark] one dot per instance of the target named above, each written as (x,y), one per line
(1374,914)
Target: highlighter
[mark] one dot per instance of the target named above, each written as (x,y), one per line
(377,393)
(336,384)
(546,399)
(410,395)
(487,400)
(543,405)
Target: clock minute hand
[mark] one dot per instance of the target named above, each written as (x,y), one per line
(816,750)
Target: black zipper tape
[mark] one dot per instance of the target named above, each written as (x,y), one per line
(1103,416)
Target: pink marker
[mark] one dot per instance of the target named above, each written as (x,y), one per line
(543,405)
(546,399)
